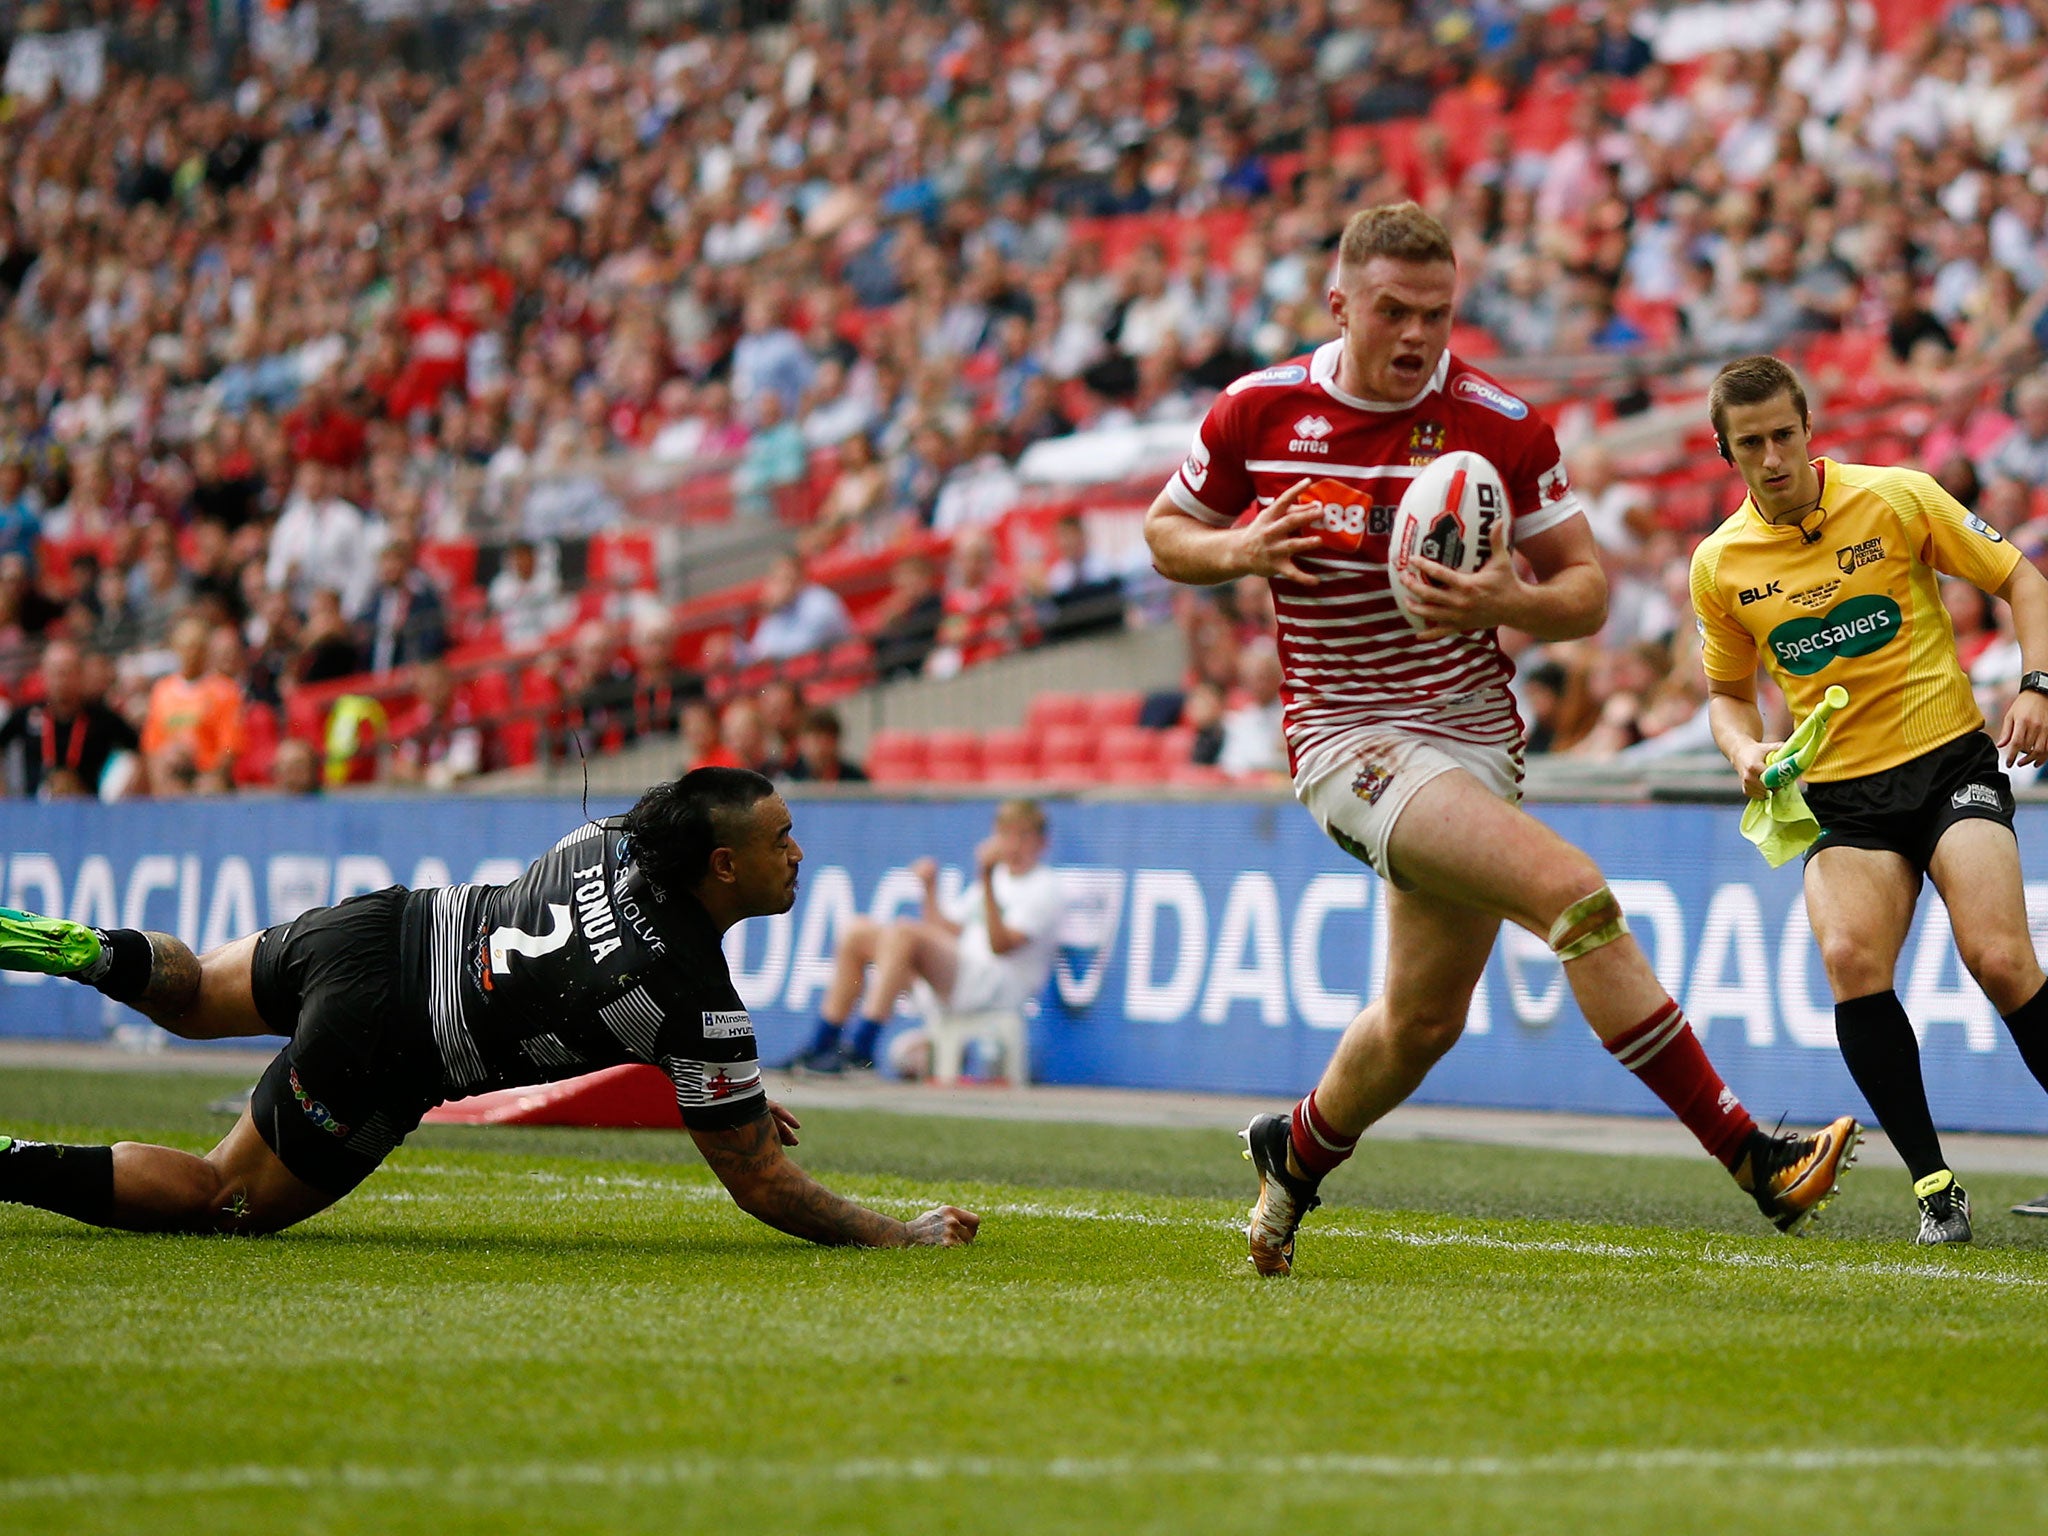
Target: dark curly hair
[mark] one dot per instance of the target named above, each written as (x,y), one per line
(672,829)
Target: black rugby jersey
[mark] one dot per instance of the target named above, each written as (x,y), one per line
(581,964)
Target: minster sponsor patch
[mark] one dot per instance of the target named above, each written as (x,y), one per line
(727,1024)
(1854,628)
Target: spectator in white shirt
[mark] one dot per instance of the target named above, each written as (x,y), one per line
(322,540)
(1252,742)
(526,595)
(1156,312)
(2023,454)
(992,947)
(981,489)
(505,475)
(797,616)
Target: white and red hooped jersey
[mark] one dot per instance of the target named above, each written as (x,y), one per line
(1350,659)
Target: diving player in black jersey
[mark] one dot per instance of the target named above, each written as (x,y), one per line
(607,950)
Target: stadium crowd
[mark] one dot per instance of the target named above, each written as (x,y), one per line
(265,345)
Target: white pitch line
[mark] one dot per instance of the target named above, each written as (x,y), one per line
(1886,1269)
(466,1481)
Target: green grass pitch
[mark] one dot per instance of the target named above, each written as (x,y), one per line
(575,1331)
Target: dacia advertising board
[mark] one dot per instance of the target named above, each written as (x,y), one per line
(1216,946)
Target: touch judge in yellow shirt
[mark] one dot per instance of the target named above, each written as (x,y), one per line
(1829,573)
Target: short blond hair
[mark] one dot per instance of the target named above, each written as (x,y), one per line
(1025,813)
(1398,231)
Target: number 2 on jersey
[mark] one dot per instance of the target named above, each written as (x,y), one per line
(507,942)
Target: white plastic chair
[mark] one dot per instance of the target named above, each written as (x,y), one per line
(1008,1028)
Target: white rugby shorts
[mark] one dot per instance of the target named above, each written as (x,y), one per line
(1357,792)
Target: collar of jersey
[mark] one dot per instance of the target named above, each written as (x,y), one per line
(1322,369)
(1781,530)
(673,913)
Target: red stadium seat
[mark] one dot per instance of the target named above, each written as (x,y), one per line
(623,557)
(1107,711)
(1848,353)
(305,715)
(519,741)
(850,656)
(1068,753)
(1176,745)
(953,757)
(831,688)
(451,562)
(1054,709)
(1130,755)
(490,693)
(1009,755)
(896,757)
(1128,744)
(259,745)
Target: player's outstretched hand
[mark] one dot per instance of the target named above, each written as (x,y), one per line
(1280,533)
(1750,762)
(2023,738)
(1453,602)
(946,1227)
(786,1124)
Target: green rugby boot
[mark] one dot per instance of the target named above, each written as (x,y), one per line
(47,944)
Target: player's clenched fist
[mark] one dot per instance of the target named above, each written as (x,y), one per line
(946,1227)
(1750,761)
(1283,530)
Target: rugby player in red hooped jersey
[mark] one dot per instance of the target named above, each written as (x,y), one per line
(1405,744)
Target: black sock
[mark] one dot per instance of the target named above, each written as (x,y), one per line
(1877,1042)
(72,1181)
(2029,1026)
(126,961)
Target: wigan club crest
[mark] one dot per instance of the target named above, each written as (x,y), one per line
(1425,442)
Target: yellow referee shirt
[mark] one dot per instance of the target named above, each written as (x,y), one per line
(1859,606)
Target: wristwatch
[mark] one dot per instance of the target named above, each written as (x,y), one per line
(2034,682)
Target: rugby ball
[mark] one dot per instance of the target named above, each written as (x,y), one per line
(1455,512)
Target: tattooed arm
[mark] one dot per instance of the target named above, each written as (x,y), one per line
(763,1182)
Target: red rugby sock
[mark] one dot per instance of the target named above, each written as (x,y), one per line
(1318,1146)
(1664,1053)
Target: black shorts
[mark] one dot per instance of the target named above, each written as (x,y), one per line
(361,1066)
(1905,810)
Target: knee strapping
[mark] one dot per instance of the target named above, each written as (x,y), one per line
(1587,924)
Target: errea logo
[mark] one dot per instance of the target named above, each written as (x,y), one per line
(1309,433)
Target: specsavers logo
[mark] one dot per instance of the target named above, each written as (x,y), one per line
(1854,628)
